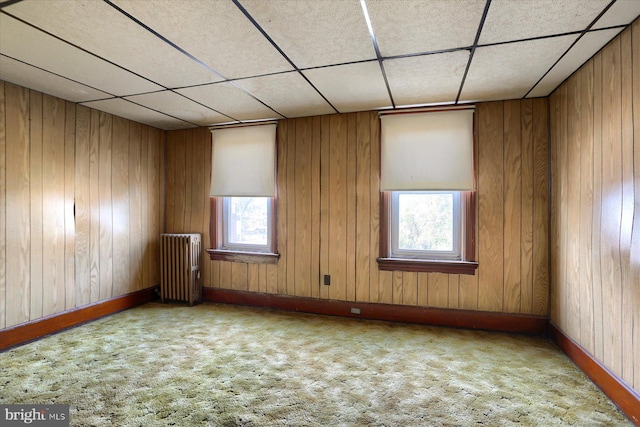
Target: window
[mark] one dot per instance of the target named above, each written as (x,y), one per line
(427,220)
(243,194)
(426,224)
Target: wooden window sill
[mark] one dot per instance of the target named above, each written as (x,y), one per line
(427,266)
(246,257)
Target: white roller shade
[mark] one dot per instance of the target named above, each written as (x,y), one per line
(244,161)
(427,151)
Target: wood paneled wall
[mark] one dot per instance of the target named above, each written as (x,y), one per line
(81,205)
(595,233)
(328,213)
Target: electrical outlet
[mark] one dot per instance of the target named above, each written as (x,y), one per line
(327,279)
(355,310)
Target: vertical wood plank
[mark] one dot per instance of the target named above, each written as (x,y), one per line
(253,284)
(135,207)
(626,219)
(512,206)
(490,201)
(291,206)
(144,200)
(410,288)
(239,276)
(338,202)
(325,202)
(69,206)
(94,205)
(423,289)
(572,284)
(18,232)
(53,187)
(363,206)
(541,201)
(586,207)
(106,212)
(374,250)
(598,333)
(302,218)
(611,206)
(316,150)
(120,202)
(397,292)
(35,181)
(438,290)
(157,147)
(283,169)
(82,207)
(352,169)
(224,278)
(454,286)
(3,207)
(634,255)
(385,288)
(206,171)
(527,207)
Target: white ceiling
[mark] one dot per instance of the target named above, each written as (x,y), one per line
(177,64)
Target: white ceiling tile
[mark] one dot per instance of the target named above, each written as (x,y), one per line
(584,49)
(131,111)
(215,32)
(288,93)
(426,79)
(32,46)
(34,78)
(229,100)
(416,26)
(508,71)
(352,87)
(622,12)
(101,29)
(516,20)
(315,33)
(180,107)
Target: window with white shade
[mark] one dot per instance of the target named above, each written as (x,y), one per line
(243,191)
(428,199)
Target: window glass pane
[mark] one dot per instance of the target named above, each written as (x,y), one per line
(425,221)
(248,220)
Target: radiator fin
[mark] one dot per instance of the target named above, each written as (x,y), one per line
(180,263)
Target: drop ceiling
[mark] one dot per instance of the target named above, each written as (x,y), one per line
(177,64)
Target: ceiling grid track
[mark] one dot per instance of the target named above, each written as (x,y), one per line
(284,55)
(582,33)
(192,57)
(473,48)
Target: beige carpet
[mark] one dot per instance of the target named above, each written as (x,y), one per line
(218,365)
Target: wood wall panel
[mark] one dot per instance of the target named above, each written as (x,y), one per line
(58,193)
(596,206)
(328,214)
(3,206)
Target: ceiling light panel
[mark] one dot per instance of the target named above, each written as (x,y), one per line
(175,105)
(34,47)
(352,87)
(128,110)
(101,29)
(215,32)
(584,49)
(622,12)
(510,20)
(229,100)
(426,79)
(315,33)
(288,93)
(417,26)
(34,78)
(508,71)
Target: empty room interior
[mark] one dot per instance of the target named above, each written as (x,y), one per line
(398,212)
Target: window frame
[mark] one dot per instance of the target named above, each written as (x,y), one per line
(217,232)
(467,263)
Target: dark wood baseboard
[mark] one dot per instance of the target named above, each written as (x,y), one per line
(38,328)
(623,395)
(515,323)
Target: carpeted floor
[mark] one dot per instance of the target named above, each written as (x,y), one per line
(218,365)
